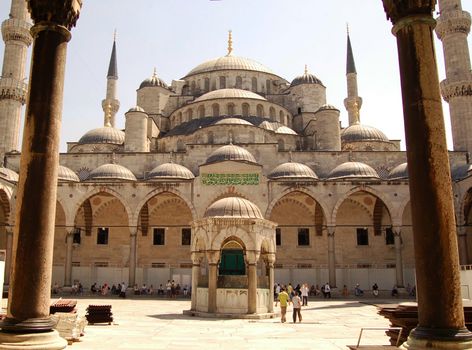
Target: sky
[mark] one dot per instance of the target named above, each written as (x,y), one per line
(174,36)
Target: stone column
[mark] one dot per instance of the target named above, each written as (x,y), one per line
(132,256)
(28,322)
(9,252)
(441,317)
(213,258)
(68,267)
(196,261)
(270,265)
(398,257)
(252,258)
(331,257)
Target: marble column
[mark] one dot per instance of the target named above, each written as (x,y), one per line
(28,322)
(440,311)
(196,261)
(251,260)
(213,258)
(9,252)
(398,256)
(132,256)
(69,248)
(331,257)
(270,266)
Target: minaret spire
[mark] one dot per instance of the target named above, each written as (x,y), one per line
(13,84)
(353,102)
(230,43)
(111,104)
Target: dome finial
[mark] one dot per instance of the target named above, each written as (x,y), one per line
(350,156)
(306,69)
(154,73)
(230,42)
(113,158)
(290,157)
(171,157)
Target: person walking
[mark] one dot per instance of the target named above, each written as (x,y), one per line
(283,299)
(297,307)
(277,292)
(327,291)
(304,290)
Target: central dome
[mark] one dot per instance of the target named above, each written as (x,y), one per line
(229,93)
(229,63)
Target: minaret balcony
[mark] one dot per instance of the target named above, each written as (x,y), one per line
(460,88)
(453,22)
(17,30)
(13,89)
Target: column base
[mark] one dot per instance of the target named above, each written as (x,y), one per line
(33,341)
(440,339)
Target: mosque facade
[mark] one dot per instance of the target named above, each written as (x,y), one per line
(233,168)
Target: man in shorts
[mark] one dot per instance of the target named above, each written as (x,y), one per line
(283,298)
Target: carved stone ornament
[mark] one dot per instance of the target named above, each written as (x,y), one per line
(61,12)
(398,9)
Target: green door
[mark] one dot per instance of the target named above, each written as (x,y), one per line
(232,262)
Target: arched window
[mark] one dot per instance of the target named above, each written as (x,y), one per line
(207,84)
(222,82)
(180,145)
(252,137)
(213,85)
(192,87)
(190,114)
(239,82)
(281,144)
(268,90)
(185,90)
(210,137)
(272,113)
(281,117)
(230,109)
(216,110)
(245,108)
(254,84)
(260,111)
(201,111)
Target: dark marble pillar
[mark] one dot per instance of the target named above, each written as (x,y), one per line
(441,318)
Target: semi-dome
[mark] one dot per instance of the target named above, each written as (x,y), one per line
(359,132)
(231,152)
(229,63)
(8,174)
(353,170)
(234,207)
(285,130)
(232,121)
(153,81)
(229,93)
(170,171)
(292,170)
(106,134)
(306,78)
(268,125)
(136,109)
(399,172)
(111,172)
(66,175)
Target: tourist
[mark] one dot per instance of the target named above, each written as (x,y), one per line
(136,290)
(297,307)
(169,289)
(94,288)
(113,290)
(345,291)
(172,290)
(185,290)
(375,290)
(144,289)
(123,290)
(160,291)
(394,291)
(277,290)
(358,291)
(327,291)
(283,299)
(55,288)
(151,290)
(304,293)
(105,289)
(290,292)
(313,290)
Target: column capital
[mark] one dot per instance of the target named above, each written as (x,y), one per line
(270,258)
(133,231)
(397,10)
(9,230)
(61,13)
(252,256)
(397,230)
(331,230)
(196,258)
(213,256)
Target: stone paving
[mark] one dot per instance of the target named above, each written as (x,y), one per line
(146,323)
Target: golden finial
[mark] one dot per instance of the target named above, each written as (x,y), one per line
(306,69)
(108,115)
(154,74)
(230,42)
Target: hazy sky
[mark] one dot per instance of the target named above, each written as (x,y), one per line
(176,35)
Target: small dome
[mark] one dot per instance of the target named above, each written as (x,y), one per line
(292,170)
(229,93)
(229,63)
(399,172)
(66,175)
(327,107)
(353,170)
(111,172)
(8,174)
(136,109)
(267,125)
(106,134)
(233,207)
(306,78)
(285,130)
(170,171)
(153,82)
(233,121)
(231,152)
(358,132)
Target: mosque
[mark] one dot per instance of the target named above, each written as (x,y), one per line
(231,171)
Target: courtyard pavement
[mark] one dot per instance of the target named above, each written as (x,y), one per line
(148,323)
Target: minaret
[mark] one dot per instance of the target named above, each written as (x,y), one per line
(453,26)
(111,104)
(13,87)
(353,102)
